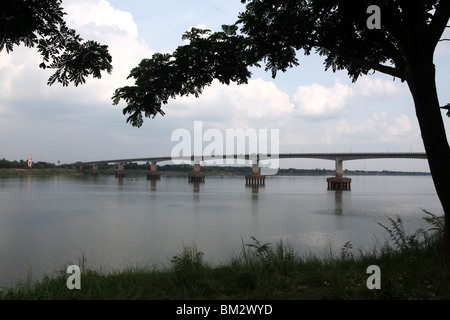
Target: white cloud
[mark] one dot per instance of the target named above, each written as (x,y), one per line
(94,20)
(402,126)
(379,128)
(235,105)
(376,88)
(7,72)
(320,102)
(261,99)
(91,17)
(316,100)
(5,59)
(97,19)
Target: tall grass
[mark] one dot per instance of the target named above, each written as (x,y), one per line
(411,265)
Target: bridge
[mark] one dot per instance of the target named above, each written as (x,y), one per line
(338,182)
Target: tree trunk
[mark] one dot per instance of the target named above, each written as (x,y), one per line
(421,82)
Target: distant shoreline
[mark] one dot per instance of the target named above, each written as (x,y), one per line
(168,170)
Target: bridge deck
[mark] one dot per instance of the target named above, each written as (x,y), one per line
(325,156)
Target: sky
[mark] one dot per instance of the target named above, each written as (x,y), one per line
(313,110)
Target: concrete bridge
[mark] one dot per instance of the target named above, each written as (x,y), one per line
(338,182)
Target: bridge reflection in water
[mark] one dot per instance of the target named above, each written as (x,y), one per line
(338,182)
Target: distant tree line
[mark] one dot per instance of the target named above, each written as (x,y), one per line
(242,170)
(23,164)
(186,168)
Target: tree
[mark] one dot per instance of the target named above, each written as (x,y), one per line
(274,31)
(40,24)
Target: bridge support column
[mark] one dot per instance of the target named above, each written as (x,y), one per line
(339,168)
(339,182)
(196,176)
(94,171)
(255,178)
(153,174)
(120,173)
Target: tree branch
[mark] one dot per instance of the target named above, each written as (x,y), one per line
(439,22)
(364,63)
(397,73)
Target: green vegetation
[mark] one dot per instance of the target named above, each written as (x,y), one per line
(39,172)
(41,24)
(412,267)
(23,164)
(20,168)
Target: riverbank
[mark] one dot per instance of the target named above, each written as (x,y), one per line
(38,172)
(412,267)
(207,170)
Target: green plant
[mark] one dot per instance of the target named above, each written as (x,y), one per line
(404,241)
(399,236)
(189,260)
(346,252)
(263,251)
(437,222)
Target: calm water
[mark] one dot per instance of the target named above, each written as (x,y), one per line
(49,223)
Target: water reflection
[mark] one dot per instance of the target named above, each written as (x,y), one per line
(120,183)
(338,202)
(254,187)
(196,185)
(255,200)
(153,185)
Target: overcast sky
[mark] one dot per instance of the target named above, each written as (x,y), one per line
(314,110)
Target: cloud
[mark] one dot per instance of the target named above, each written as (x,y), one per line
(98,20)
(76,116)
(379,128)
(22,79)
(317,101)
(261,99)
(8,71)
(376,88)
(97,17)
(402,126)
(234,105)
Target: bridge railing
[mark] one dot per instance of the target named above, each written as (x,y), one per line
(260,157)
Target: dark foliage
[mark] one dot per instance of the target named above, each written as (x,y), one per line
(40,24)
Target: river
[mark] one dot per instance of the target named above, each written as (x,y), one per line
(49,223)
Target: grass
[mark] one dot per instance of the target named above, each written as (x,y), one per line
(412,267)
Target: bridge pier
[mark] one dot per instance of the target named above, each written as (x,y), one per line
(255,178)
(153,174)
(94,171)
(196,176)
(339,182)
(342,183)
(120,173)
